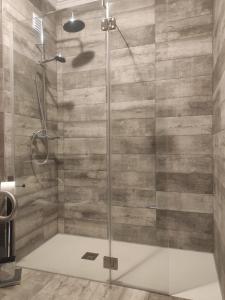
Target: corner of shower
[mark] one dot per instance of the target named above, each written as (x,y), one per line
(100,163)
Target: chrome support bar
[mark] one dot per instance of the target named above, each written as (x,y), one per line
(103,3)
(13,201)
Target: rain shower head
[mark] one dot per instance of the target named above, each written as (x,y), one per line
(58,58)
(73,25)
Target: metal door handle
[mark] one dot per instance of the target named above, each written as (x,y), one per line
(13,201)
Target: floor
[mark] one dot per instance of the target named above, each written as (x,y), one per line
(38,285)
(183,273)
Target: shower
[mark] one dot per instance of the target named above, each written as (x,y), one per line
(114,132)
(40,91)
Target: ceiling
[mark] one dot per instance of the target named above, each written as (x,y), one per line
(59,4)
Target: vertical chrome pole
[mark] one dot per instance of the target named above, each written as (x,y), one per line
(108,134)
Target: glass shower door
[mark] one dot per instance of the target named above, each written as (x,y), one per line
(139,252)
(96,194)
(62,216)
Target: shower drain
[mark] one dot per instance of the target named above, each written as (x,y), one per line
(90,256)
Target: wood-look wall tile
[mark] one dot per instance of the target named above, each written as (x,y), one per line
(133,162)
(195,144)
(194,241)
(87,194)
(137,216)
(134,179)
(50,229)
(84,146)
(219,62)
(191,125)
(133,145)
(133,56)
(188,87)
(138,36)
(145,17)
(125,6)
(85,178)
(32,221)
(85,129)
(84,96)
(184,182)
(133,73)
(133,197)
(187,106)
(184,221)
(189,47)
(29,242)
(184,163)
(133,127)
(133,110)
(184,67)
(2,118)
(91,228)
(133,91)
(84,79)
(89,211)
(93,112)
(136,234)
(188,202)
(180,9)
(2,168)
(168,30)
(94,162)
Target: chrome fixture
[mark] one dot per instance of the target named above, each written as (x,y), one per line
(58,58)
(9,196)
(12,273)
(108,24)
(73,25)
(103,3)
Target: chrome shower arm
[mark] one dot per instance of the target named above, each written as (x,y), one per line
(47,60)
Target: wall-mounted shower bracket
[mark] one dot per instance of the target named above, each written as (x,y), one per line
(108,24)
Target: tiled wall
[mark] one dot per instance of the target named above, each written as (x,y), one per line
(219,135)
(161,135)
(36,219)
(133,123)
(82,123)
(161,125)
(184,163)
(1,106)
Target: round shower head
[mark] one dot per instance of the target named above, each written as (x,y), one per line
(73,25)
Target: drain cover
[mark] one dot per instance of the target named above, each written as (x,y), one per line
(90,256)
